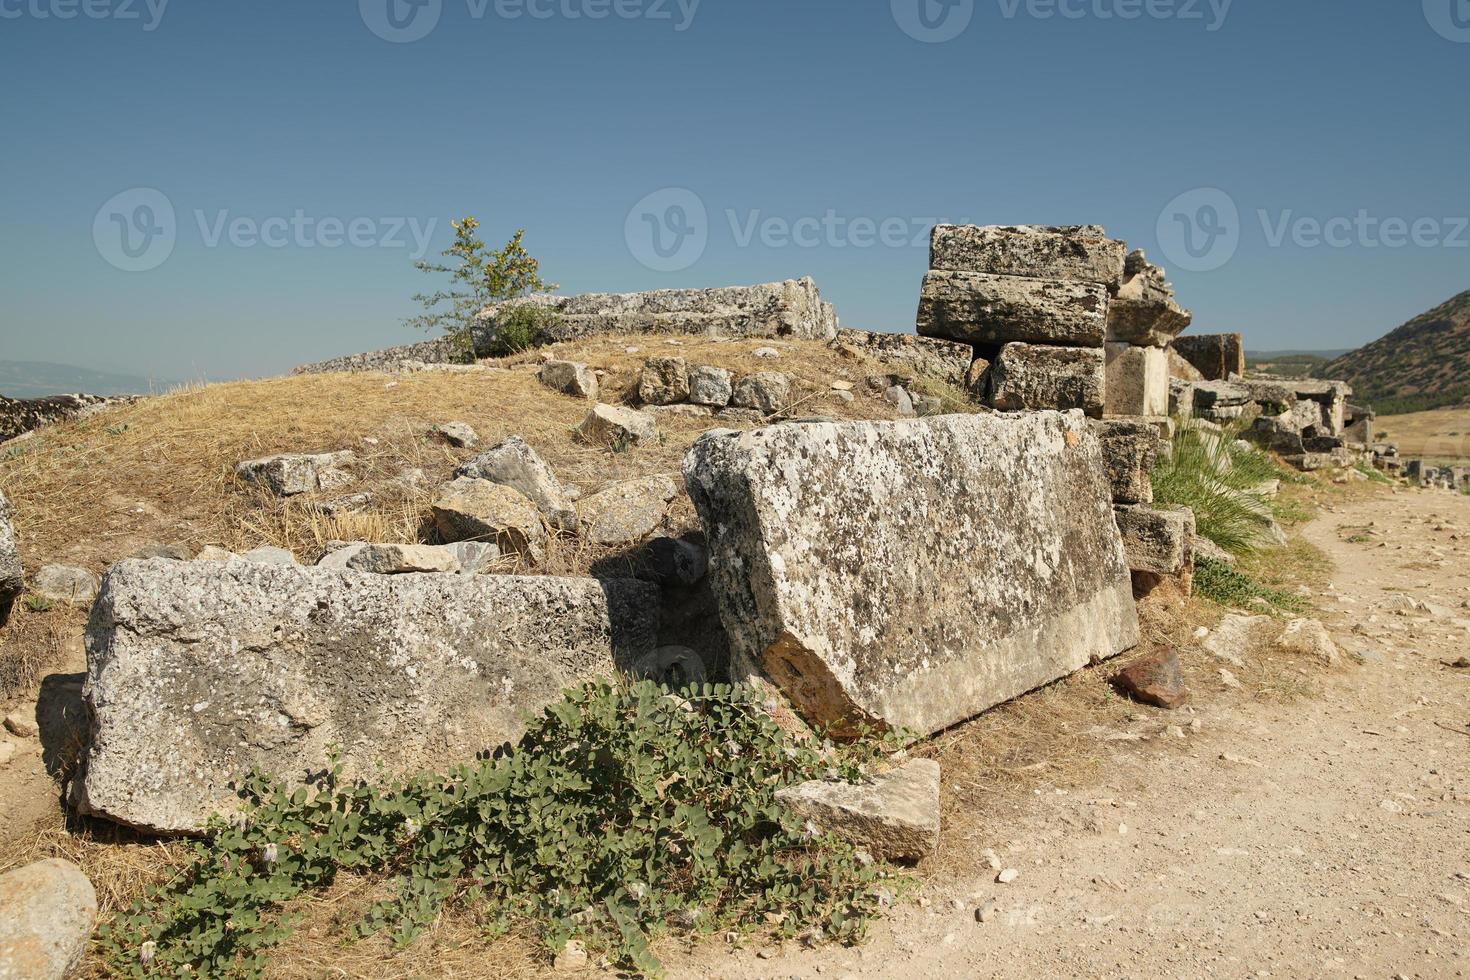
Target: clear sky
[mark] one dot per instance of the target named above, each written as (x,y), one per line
(301,145)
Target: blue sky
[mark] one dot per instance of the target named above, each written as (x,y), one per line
(818,137)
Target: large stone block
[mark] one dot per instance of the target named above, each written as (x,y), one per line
(12,580)
(1130,448)
(198,672)
(1215,356)
(913,573)
(931,357)
(1031,377)
(979,308)
(793,308)
(1144,312)
(1137,380)
(1157,542)
(1079,252)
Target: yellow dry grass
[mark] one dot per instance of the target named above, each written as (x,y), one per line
(1442,436)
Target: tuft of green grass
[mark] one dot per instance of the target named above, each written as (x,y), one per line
(1373,474)
(1219,479)
(1226,586)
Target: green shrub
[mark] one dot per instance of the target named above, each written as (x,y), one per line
(520,328)
(625,812)
(1218,480)
(1226,586)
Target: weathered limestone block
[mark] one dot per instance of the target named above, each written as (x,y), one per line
(1137,380)
(664,381)
(570,378)
(711,386)
(913,573)
(404,559)
(979,308)
(1274,397)
(1077,252)
(610,425)
(793,308)
(1030,377)
(1181,369)
(468,509)
(1216,356)
(12,579)
(931,357)
(894,816)
(515,464)
(626,512)
(290,474)
(1130,448)
(1156,541)
(47,910)
(1143,311)
(64,583)
(439,350)
(768,392)
(1332,396)
(198,672)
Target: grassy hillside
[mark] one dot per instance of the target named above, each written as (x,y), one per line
(1422,365)
(1441,435)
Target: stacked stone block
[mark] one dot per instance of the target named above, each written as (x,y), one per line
(1143,319)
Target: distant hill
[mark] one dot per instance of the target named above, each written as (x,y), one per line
(1422,365)
(32,379)
(1291,363)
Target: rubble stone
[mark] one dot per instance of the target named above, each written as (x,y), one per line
(570,378)
(47,911)
(1137,380)
(894,816)
(665,381)
(515,464)
(1216,356)
(768,392)
(1143,311)
(609,425)
(468,509)
(626,512)
(290,474)
(1156,541)
(711,386)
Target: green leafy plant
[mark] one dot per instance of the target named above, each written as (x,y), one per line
(1210,473)
(1226,586)
(625,812)
(39,604)
(478,279)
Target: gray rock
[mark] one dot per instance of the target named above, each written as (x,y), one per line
(1143,311)
(513,463)
(608,425)
(199,672)
(478,510)
(268,555)
(47,911)
(19,416)
(626,512)
(768,392)
(901,400)
(741,416)
(290,474)
(458,434)
(1309,637)
(915,573)
(349,504)
(661,412)
(12,579)
(894,816)
(570,378)
(673,666)
(1232,640)
(1029,377)
(977,380)
(1078,252)
(440,350)
(676,562)
(711,386)
(64,583)
(793,308)
(1130,448)
(665,381)
(766,353)
(173,552)
(1215,356)
(985,309)
(403,559)
(1137,380)
(1157,542)
(944,360)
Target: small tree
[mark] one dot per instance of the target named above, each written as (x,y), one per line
(478,280)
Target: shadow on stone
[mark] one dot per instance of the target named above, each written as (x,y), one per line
(61,717)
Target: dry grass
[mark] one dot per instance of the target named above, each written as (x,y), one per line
(1442,436)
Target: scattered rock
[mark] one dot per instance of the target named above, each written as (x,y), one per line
(199,672)
(626,512)
(290,474)
(741,416)
(661,412)
(1143,312)
(1156,679)
(901,401)
(768,392)
(402,559)
(619,428)
(513,463)
(665,381)
(1007,876)
(268,555)
(212,552)
(711,386)
(62,583)
(458,434)
(573,957)
(12,580)
(22,722)
(47,911)
(1130,449)
(1232,638)
(894,816)
(478,510)
(766,353)
(570,378)
(1309,637)
(1228,679)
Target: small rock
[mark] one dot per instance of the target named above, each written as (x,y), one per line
(842,386)
(742,416)
(1228,679)
(675,667)
(986,913)
(47,911)
(766,353)
(570,378)
(344,505)
(64,583)
(8,751)
(768,393)
(1007,876)
(626,512)
(458,434)
(212,552)
(478,510)
(711,386)
(894,815)
(268,555)
(1156,679)
(846,397)
(1309,637)
(1462,664)
(403,559)
(902,402)
(665,381)
(22,722)
(573,957)
(290,474)
(619,428)
(661,412)
(512,463)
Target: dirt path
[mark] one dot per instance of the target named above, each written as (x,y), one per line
(1333,842)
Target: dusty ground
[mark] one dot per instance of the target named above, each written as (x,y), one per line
(1326,836)
(1442,435)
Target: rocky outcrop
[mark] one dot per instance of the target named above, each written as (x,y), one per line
(915,573)
(440,350)
(793,308)
(12,579)
(1217,357)
(894,816)
(1082,253)
(21,415)
(47,911)
(198,672)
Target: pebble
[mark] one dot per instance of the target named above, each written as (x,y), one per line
(1007,876)
(22,722)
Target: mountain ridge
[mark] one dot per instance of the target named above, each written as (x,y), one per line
(1421,365)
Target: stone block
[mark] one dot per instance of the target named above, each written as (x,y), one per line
(1030,377)
(1076,252)
(1137,380)
(978,308)
(1216,356)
